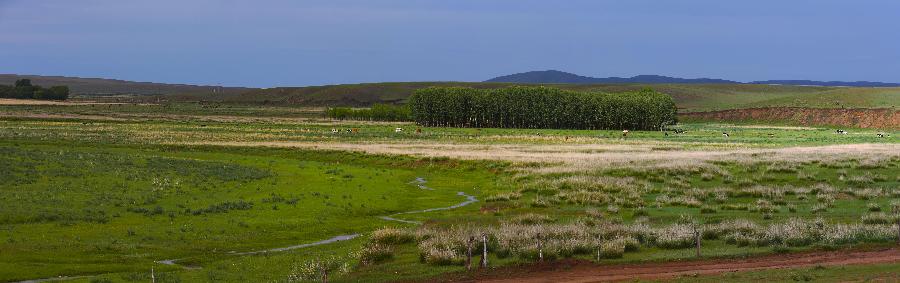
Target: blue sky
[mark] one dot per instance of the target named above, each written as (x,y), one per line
(297,43)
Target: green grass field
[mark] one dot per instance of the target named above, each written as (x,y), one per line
(108,193)
(689,97)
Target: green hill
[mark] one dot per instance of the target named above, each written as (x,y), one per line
(98,86)
(688,97)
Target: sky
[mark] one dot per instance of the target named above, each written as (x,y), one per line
(312,42)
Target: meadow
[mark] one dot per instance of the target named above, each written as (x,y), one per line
(106,193)
(688,97)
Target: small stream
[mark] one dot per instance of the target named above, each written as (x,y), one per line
(419,182)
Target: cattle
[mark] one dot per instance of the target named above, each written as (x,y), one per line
(398,130)
(881,135)
(624,133)
(334,131)
(842,132)
(724,134)
(355,130)
(418,130)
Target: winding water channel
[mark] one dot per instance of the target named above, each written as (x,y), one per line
(419,182)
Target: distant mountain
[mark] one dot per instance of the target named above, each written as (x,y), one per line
(96,86)
(560,77)
(828,83)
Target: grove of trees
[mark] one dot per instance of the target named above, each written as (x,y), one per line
(541,107)
(378,112)
(23,89)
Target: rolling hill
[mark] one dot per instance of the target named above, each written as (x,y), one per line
(688,97)
(97,86)
(559,77)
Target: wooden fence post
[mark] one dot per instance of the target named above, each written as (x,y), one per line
(697,239)
(896,210)
(484,259)
(898,229)
(540,248)
(469,252)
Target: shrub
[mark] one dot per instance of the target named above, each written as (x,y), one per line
(378,112)
(532,218)
(676,236)
(392,236)
(612,249)
(503,197)
(878,218)
(375,253)
(874,207)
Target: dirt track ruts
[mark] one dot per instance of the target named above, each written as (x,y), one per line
(581,271)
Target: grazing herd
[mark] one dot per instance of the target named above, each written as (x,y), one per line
(624,132)
(356,130)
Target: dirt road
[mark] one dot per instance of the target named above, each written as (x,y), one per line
(581,271)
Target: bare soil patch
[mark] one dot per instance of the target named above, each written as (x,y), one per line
(585,271)
(859,118)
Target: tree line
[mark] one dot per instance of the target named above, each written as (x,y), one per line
(541,107)
(23,89)
(378,112)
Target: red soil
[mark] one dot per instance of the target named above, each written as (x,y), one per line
(584,271)
(859,118)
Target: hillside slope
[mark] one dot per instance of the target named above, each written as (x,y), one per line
(97,86)
(558,77)
(554,76)
(857,118)
(688,97)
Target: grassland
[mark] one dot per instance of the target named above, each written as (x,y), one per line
(688,97)
(109,192)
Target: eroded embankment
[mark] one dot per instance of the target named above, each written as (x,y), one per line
(858,117)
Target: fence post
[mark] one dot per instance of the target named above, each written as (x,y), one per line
(897,217)
(540,248)
(484,259)
(896,210)
(152,275)
(898,228)
(469,252)
(697,239)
